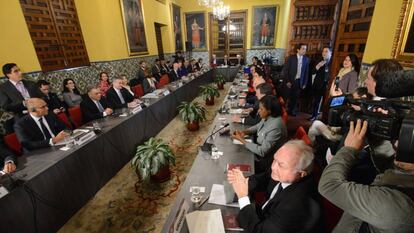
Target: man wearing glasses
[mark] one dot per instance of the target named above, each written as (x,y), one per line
(39,129)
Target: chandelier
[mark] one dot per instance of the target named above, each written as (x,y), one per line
(221,11)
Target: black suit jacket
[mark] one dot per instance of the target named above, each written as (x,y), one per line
(223,62)
(156,72)
(12,100)
(321,79)
(140,75)
(113,99)
(147,87)
(295,209)
(53,101)
(89,109)
(6,154)
(291,68)
(173,76)
(29,134)
(253,118)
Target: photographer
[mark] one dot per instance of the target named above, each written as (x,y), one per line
(387,205)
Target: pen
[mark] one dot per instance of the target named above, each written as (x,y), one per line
(204,201)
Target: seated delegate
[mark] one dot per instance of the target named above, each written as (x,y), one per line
(119,97)
(292,204)
(271,133)
(39,128)
(94,105)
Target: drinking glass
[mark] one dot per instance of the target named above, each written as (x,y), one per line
(195,194)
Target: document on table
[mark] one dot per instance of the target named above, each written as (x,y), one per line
(209,221)
(218,196)
(237,142)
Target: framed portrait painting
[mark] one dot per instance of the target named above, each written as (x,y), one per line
(403,47)
(196,31)
(264,26)
(176,22)
(134,25)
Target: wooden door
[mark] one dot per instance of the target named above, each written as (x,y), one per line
(314,24)
(228,37)
(354,24)
(56,33)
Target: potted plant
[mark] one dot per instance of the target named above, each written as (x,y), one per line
(192,114)
(219,80)
(209,92)
(152,160)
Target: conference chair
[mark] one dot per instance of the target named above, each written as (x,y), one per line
(13,144)
(75,114)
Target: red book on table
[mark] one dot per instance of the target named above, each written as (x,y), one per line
(242,167)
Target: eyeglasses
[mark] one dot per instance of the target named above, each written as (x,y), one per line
(44,106)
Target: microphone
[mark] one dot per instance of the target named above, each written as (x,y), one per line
(336,83)
(395,84)
(206,147)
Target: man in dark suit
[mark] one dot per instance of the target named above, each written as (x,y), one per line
(164,67)
(119,97)
(39,128)
(239,60)
(225,61)
(320,78)
(52,100)
(174,76)
(94,106)
(156,69)
(292,200)
(140,75)
(253,118)
(9,159)
(14,92)
(295,74)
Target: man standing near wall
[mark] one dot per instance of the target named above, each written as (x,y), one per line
(295,73)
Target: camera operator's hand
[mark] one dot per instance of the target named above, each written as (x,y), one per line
(356,135)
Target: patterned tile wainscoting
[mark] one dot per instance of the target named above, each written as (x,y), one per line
(277,53)
(197,55)
(84,76)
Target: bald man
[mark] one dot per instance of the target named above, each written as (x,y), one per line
(292,202)
(39,128)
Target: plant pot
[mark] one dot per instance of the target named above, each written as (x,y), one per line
(162,175)
(210,101)
(220,86)
(193,126)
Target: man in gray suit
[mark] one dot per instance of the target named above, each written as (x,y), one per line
(14,92)
(270,133)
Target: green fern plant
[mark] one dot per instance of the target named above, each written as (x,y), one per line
(152,156)
(209,91)
(219,79)
(191,111)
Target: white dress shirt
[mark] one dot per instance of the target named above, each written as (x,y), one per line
(299,69)
(120,95)
(245,201)
(36,119)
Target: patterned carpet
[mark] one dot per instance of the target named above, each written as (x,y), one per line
(125,205)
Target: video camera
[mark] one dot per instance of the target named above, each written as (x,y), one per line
(398,124)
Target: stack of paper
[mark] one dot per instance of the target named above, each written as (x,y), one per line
(219,197)
(205,221)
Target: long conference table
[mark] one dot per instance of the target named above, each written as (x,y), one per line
(228,72)
(205,172)
(55,184)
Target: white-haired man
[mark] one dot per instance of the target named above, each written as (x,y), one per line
(292,202)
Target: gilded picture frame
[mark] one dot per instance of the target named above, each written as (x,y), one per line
(264,26)
(177,27)
(134,26)
(196,20)
(403,47)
